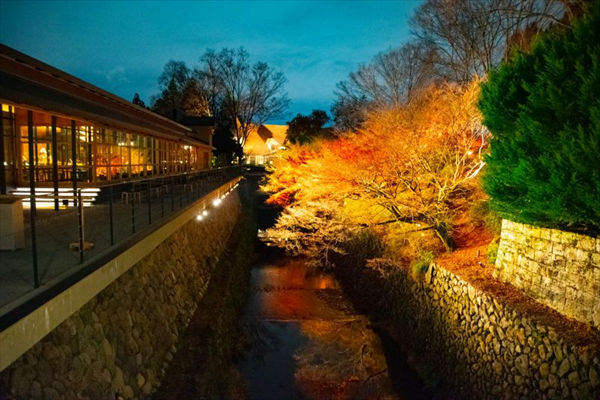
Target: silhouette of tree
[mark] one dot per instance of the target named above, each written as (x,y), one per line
(389,80)
(305,128)
(172,83)
(138,101)
(226,86)
(472,36)
(249,94)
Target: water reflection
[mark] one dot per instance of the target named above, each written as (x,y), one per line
(291,273)
(306,340)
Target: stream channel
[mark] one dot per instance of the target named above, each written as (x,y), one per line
(295,335)
(308,342)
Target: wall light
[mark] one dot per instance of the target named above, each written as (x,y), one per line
(199,217)
(216,202)
(205,213)
(45,196)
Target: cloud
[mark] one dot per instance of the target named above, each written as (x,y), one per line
(116,76)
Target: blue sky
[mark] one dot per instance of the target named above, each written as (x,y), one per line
(122,46)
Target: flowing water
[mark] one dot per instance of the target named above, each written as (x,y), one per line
(307,341)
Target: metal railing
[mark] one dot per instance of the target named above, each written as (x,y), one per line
(59,241)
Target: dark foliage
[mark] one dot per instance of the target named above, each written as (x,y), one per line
(227,148)
(349,113)
(172,83)
(226,86)
(138,101)
(305,128)
(543,109)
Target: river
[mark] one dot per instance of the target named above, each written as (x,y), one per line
(295,335)
(308,342)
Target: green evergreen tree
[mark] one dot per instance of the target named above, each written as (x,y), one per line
(543,109)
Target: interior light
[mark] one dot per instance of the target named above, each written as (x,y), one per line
(216,202)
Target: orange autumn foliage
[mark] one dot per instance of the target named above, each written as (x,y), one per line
(417,158)
(414,163)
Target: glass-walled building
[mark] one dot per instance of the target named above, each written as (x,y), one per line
(52,120)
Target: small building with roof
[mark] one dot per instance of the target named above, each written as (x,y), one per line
(263,142)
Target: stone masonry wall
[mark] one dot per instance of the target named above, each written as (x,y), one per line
(119,344)
(480,347)
(557,268)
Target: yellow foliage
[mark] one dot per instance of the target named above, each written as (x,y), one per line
(413,164)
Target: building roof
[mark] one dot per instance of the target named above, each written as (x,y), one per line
(31,83)
(260,137)
(278,132)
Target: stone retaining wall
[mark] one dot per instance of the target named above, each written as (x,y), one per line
(119,344)
(557,268)
(480,347)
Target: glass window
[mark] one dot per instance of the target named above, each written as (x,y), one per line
(138,164)
(163,161)
(63,149)
(119,155)
(42,142)
(10,141)
(84,152)
(101,155)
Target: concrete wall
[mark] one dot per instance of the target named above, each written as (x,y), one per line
(557,268)
(482,347)
(120,342)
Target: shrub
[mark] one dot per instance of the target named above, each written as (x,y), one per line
(483,216)
(363,245)
(422,263)
(404,242)
(492,253)
(543,109)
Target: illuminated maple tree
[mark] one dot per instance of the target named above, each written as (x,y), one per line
(419,161)
(413,164)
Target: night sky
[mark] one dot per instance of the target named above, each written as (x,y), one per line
(122,46)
